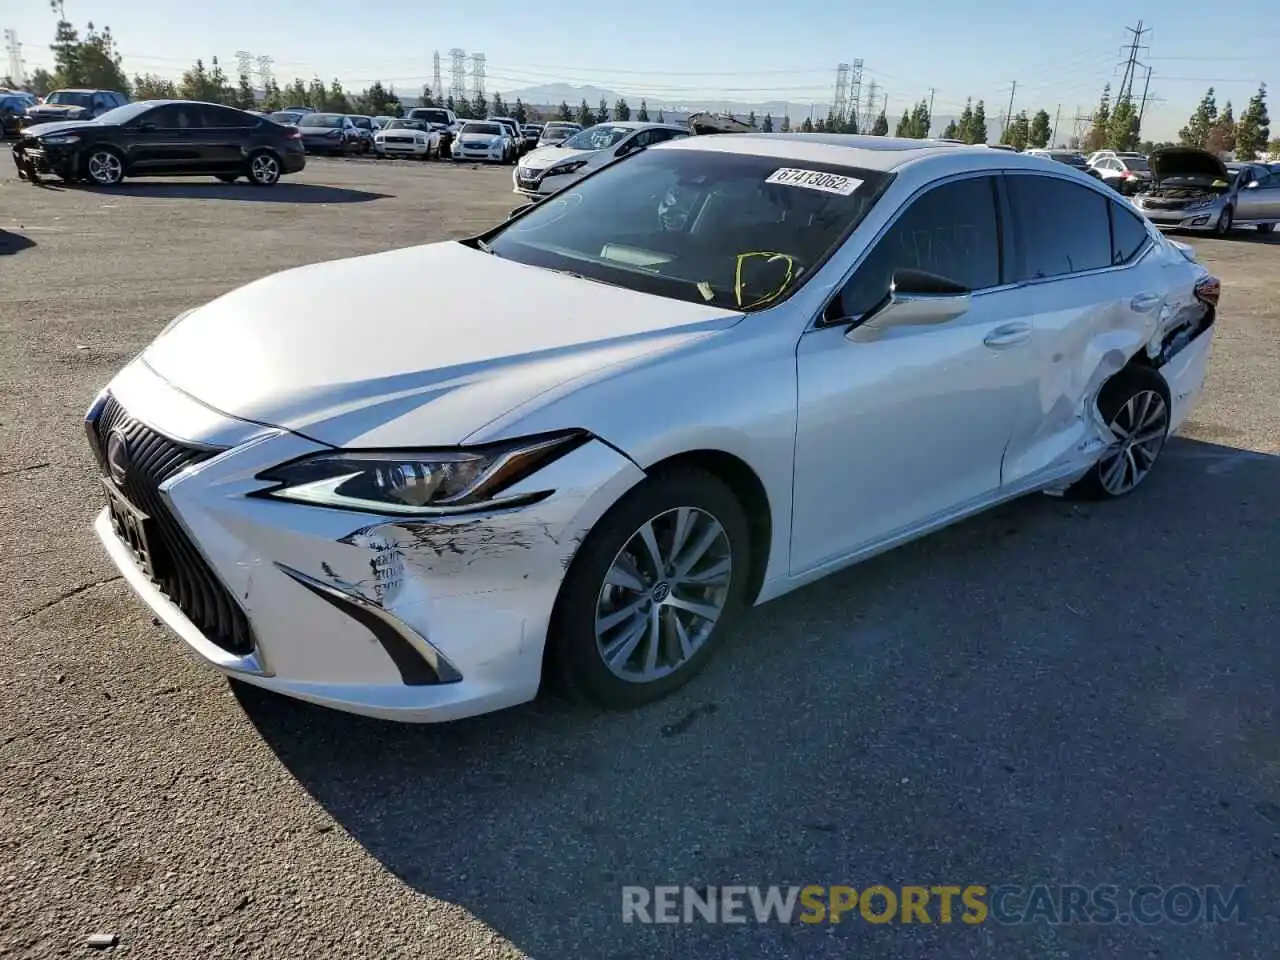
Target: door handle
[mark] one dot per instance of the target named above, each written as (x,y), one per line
(1146,302)
(1009,335)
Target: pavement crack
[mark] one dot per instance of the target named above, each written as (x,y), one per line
(67,595)
(27,469)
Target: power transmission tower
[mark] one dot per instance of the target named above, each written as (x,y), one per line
(855,92)
(265,76)
(870,116)
(1131,61)
(17,69)
(477,77)
(458,74)
(840,104)
(437,86)
(244,63)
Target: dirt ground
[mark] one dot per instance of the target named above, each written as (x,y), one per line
(1050,693)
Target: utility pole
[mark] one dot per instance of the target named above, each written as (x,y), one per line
(1146,86)
(1053,137)
(930,130)
(1008,114)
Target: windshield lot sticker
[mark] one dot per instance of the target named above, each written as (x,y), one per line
(815,180)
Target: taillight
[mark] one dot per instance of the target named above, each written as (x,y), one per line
(294,135)
(1208,289)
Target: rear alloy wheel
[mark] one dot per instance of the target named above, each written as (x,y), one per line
(1135,406)
(650,591)
(104,167)
(264,169)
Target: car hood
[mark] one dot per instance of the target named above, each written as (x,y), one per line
(1189,162)
(56,126)
(56,109)
(349,352)
(544,157)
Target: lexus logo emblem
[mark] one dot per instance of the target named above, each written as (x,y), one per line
(117,457)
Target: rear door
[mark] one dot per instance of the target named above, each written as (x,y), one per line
(225,136)
(1092,289)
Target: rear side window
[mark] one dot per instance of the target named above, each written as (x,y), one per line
(950,231)
(1128,235)
(1064,227)
(224,117)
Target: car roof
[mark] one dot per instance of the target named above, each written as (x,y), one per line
(853,150)
(636,125)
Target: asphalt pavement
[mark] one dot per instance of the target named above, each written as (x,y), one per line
(1052,693)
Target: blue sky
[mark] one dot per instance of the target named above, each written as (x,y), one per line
(747,50)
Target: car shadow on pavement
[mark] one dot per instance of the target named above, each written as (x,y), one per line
(282,192)
(11,243)
(1054,692)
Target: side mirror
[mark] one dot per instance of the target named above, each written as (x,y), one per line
(626,148)
(146,126)
(915,298)
(1251,185)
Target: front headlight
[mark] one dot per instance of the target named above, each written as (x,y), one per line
(570,166)
(417,482)
(60,139)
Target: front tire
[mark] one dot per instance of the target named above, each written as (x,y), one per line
(264,168)
(647,598)
(1136,407)
(104,167)
(1223,226)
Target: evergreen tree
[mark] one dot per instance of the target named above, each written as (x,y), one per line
(786,123)
(951,131)
(966,122)
(881,127)
(978,128)
(751,119)
(903,128)
(602,115)
(427,98)
(807,126)
(643,113)
(520,112)
(1196,132)
(1222,138)
(1122,129)
(1254,129)
(246,99)
(564,113)
(585,119)
(661,118)
(1040,131)
(151,87)
(621,111)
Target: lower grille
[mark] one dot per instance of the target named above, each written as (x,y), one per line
(186,579)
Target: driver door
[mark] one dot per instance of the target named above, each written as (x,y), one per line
(911,426)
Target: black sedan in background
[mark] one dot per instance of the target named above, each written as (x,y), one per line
(161,138)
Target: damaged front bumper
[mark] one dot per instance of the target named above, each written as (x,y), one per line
(401,618)
(34,159)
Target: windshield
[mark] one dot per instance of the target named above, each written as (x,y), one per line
(1075,159)
(725,229)
(73,98)
(322,120)
(559,130)
(405,125)
(363,122)
(126,113)
(1136,163)
(431,116)
(600,137)
(486,129)
(284,116)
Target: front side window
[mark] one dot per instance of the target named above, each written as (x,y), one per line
(950,231)
(729,230)
(1063,226)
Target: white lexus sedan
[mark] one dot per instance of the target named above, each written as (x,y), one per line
(695,381)
(546,170)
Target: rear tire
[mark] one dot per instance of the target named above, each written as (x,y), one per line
(630,625)
(1135,404)
(1265,227)
(263,168)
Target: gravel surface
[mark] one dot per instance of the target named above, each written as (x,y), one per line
(1050,693)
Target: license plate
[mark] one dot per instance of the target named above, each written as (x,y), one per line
(136,529)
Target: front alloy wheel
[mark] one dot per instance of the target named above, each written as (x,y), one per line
(105,168)
(663,594)
(648,595)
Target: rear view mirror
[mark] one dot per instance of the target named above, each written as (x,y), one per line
(915,298)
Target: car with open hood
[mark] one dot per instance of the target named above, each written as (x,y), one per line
(1193,190)
(546,170)
(693,382)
